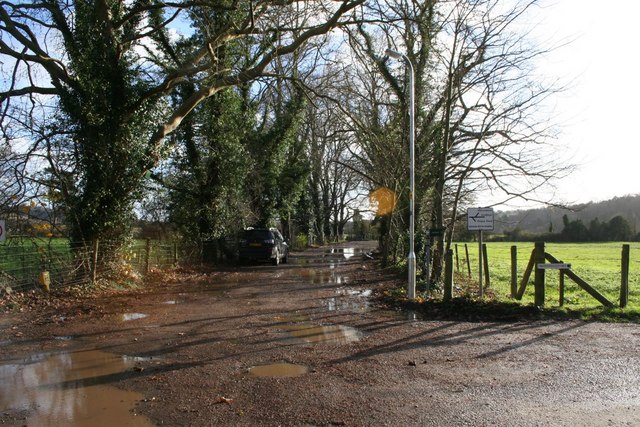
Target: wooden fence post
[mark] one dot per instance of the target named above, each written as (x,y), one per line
(485,261)
(147,259)
(94,272)
(561,278)
(448,275)
(175,254)
(480,265)
(466,251)
(457,259)
(539,274)
(427,267)
(624,283)
(526,275)
(580,282)
(514,271)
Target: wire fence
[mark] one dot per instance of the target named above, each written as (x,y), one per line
(27,263)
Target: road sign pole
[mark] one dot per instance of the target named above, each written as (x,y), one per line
(480,219)
(480,263)
(427,266)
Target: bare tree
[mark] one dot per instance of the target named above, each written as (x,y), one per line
(480,119)
(496,135)
(335,185)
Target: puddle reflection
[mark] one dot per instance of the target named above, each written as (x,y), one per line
(346,253)
(346,299)
(355,292)
(338,334)
(322,276)
(64,389)
(133,316)
(343,304)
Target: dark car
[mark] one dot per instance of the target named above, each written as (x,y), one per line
(263,244)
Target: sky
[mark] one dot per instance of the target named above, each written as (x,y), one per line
(599,112)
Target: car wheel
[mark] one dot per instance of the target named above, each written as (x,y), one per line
(276,260)
(285,259)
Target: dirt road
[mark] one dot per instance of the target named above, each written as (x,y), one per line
(302,344)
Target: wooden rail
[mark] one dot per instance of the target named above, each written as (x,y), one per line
(581,282)
(538,256)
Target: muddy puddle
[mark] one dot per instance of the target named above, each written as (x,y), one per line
(69,389)
(298,328)
(333,254)
(319,276)
(354,292)
(349,299)
(280,370)
(310,334)
(346,304)
(346,253)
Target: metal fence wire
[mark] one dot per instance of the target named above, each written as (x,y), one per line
(27,263)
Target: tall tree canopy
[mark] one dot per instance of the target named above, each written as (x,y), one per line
(88,83)
(247,112)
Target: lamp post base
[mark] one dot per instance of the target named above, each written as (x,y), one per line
(411,287)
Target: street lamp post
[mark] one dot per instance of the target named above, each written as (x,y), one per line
(411,258)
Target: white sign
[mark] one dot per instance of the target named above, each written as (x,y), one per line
(480,219)
(3,231)
(554,266)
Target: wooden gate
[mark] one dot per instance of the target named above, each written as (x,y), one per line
(538,261)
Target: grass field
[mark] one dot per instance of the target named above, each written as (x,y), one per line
(23,259)
(597,263)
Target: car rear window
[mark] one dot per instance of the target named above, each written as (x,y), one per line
(258,234)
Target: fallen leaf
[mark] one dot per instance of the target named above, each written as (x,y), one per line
(225,400)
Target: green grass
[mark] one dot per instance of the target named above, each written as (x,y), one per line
(22,260)
(26,253)
(599,264)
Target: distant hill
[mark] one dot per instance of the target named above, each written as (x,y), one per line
(541,220)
